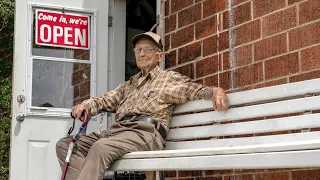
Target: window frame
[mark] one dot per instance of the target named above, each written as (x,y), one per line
(49,111)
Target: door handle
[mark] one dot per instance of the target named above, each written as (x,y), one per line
(20,117)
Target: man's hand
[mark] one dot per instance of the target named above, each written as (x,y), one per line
(77,111)
(219,99)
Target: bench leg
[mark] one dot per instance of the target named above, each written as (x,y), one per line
(151,175)
(158,175)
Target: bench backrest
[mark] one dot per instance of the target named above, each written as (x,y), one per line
(280,117)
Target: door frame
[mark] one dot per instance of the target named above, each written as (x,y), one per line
(116,75)
(29,139)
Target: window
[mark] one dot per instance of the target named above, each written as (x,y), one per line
(62,58)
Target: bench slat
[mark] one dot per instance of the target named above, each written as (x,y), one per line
(274,160)
(271,139)
(245,149)
(268,109)
(251,127)
(262,94)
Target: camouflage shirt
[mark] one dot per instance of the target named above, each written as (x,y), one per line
(154,96)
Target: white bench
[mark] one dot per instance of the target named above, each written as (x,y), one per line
(295,147)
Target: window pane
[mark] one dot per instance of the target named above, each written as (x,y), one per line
(59,84)
(59,33)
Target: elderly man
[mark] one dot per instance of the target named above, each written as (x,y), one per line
(143,107)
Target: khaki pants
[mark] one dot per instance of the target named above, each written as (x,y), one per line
(93,153)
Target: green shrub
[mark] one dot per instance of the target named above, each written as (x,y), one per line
(6,51)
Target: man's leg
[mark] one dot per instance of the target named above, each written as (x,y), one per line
(78,155)
(121,139)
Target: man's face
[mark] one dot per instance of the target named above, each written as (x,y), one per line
(147,54)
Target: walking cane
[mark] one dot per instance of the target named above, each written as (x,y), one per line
(75,137)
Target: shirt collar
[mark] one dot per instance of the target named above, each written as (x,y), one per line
(152,74)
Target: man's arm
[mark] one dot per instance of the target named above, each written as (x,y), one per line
(108,102)
(181,89)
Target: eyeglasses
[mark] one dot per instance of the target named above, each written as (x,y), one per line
(145,50)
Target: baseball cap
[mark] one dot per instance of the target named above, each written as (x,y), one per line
(155,37)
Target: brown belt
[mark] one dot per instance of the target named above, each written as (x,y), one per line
(158,126)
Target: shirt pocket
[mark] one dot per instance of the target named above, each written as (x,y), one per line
(149,101)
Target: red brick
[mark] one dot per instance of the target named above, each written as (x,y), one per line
(85,89)
(189,53)
(211,7)
(306,174)
(171,59)
(167,7)
(316,111)
(240,56)
(293,1)
(206,27)
(170,174)
(282,66)
(246,33)
(211,81)
(85,67)
(273,133)
(235,2)
(76,67)
(224,80)
(236,171)
(223,41)
(189,15)
(167,42)
(182,36)
(217,172)
(78,53)
(262,7)
(247,75)
(210,45)
(171,23)
(177,5)
(189,173)
(209,178)
(305,76)
(273,175)
(207,66)
(239,90)
(76,92)
(199,81)
(240,176)
(186,70)
(279,21)
(77,77)
(85,56)
(304,36)
(309,11)
(237,15)
(271,83)
(78,101)
(270,47)
(310,58)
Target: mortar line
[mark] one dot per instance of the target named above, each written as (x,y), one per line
(247,43)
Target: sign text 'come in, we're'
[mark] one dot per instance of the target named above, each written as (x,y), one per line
(62,29)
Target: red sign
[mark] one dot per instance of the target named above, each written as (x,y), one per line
(62,29)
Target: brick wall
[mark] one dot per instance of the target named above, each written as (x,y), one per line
(81,84)
(241,45)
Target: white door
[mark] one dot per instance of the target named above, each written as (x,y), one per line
(60,59)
